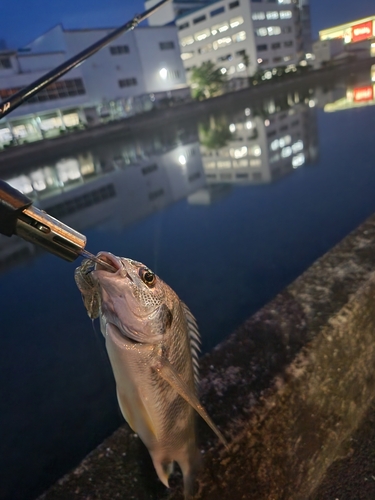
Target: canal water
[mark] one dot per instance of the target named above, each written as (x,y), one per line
(228,210)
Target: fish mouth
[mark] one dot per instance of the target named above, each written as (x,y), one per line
(109,259)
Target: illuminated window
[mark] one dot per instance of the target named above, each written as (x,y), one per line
(274,146)
(272,14)
(188,40)
(239,37)
(202,35)
(285,14)
(115,50)
(262,32)
(255,163)
(274,30)
(222,42)
(219,28)
(286,152)
(238,152)
(187,55)
(285,141)
(298,160)
(236,21)
(258,16)
(255,150)
(297,146)
(241,67)
(210,164)
(284,2)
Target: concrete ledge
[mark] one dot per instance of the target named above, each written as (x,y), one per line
(288,389)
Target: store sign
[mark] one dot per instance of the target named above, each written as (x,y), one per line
(363,94)
(361,31)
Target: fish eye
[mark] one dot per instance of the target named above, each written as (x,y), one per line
(147,277)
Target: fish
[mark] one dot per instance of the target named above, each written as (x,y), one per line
(153,344)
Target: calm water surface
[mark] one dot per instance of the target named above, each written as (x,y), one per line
(228,211)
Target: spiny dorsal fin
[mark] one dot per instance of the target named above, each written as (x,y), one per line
(195,341)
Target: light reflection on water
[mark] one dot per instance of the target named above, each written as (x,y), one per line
(227,210)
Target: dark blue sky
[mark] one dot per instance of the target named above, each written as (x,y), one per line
(23,20)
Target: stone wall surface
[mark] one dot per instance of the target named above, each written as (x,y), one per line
(290,389)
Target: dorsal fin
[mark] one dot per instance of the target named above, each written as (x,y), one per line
(195,341)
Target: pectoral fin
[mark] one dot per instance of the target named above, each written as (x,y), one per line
(169,374)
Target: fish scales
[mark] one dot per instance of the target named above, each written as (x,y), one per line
(152,342)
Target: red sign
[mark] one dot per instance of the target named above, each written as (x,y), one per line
(363,94)
(362,31)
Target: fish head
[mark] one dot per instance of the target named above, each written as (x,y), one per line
(133,299)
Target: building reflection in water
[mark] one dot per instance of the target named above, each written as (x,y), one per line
(120,183)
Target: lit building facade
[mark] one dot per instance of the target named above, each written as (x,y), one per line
(241,36)
(355,39)
(132,71)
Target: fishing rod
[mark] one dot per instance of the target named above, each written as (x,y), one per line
(24,94)
(17,215)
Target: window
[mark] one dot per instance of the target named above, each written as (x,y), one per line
(115,50)
(166,45)
(199,19)
(173,74)
(156,194)
(202,35)
(183,26)
(288,44)
(149,169)
(56,90)
(261,48)
(274,30)
(222,42)
(187,55)
(272,14)
(276,45)
(285,1)
(127,82)
(188,40)
(240,53)
(285,14)
(239,37)
(258,16)
(277,59)
(228,57)
(216,12)
(233,5)
(256,1)
(83,201)
(287,29)
(261,32)
(194,176)
(5,63)
(236,21)
(219,28)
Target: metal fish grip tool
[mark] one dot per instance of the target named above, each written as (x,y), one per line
(18,216)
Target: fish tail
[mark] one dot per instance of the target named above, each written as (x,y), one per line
(190,465)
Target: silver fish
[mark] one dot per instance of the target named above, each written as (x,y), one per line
(152,342)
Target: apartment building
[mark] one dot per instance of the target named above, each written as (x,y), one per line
(241,36)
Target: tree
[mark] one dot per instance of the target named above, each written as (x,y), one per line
(215,133)
(207,81)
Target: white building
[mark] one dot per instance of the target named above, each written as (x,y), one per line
(241,36)
(138,66)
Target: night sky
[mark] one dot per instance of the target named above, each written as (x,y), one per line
(23,20)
